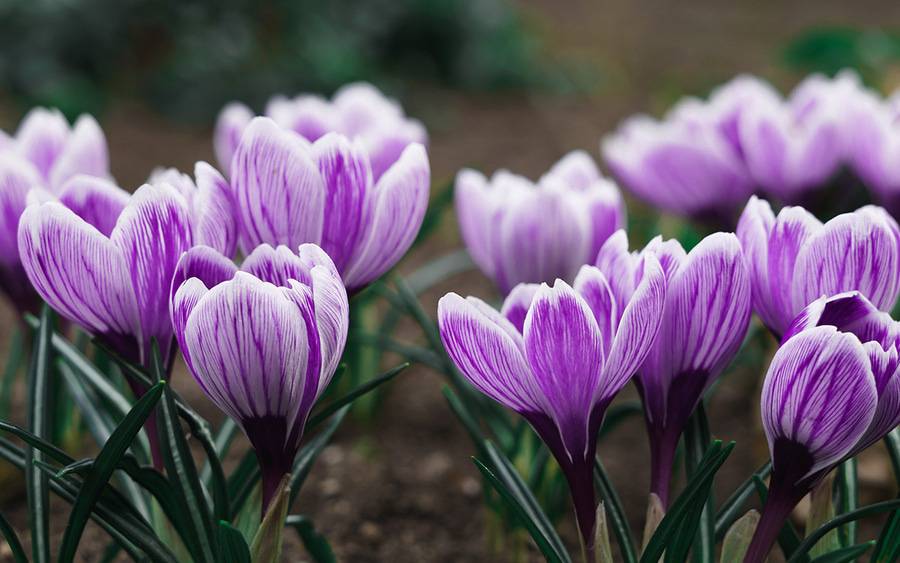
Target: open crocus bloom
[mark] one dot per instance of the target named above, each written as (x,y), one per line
(288,191)
(874,146)
(209,201)
(521,232)
(59,151)
(832,389)
(558,355)
(262,342)
(796,145)
(794,259)
(359,111)
(691,161)
(706,314)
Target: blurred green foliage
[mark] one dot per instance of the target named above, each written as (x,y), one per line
(188,58)
(871,52)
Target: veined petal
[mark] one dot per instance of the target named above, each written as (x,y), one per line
(204,263)
(17,178)
(819,393)
(185,297)
(488,351)
(279,193)
(96,200)
(399,204)
(565,351)
(669,252)
(230,126)
(619,266)
(754,227)
(886,369)
(474,211)
(606,210)
(854,251)
(276,265)
(77,270)
(85,152)
(793,229)
(214,217)
(591,284)
(41,137)
(347,175)
(576,170)
(516,305)
(151,234)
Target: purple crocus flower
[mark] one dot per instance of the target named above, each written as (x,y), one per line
(794,259)
(521,232)
(17,178)
(874,146)
(796,145)
(210,204)
(832,390)
(263,342)
(59,151)
(359,111)
(690,162)
(558,355)
(707,311)
(288,191)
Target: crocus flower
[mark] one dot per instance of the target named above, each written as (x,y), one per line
(558,355)
(794,259)
(874,146)
(288,191)
(58,151)
(264,342)
(707,311)
(17,178)
(210,205)
(521,232)
(796,145)
(690,162)
(359,111)
(832,390)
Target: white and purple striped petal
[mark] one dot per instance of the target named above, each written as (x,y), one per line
(230,126)
(96,200)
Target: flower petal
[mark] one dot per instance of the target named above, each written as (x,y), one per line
(214,217)
(17,178)
(819,393)
(516,305)
(886,369)
(276,265)
(399,204)
(475,211)
(279,193)
(619,266)
(488,351)
(96,200)
(591,284)
(204,263)
(85,152)
(41,137)
(577,170)
(793,229)
(565,351)
(753,229)
(230,126)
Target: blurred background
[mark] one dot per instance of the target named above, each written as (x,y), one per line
(498,84)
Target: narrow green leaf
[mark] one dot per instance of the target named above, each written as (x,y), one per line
(887,550)
(315,543)
(465,416)
(106,462)
(337,404)
(310,451)
(848,499)
(697,439)
(544,544)
(266,546)
(601,537)
(224,438)
(892,443)
(732,507)
(615,511)
(504,470)
(40,409)
(242,481)
(821,510)
(232,547)
(695,494)
(440,269)
(111,552)
(803,548)
(14,360)
(738,538)
(12,540)
(182,472)
(846,554)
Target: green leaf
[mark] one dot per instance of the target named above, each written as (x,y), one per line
(738,538)
(887,550)
(811,539)
(310,451)
(732,507)
(266,546)
(892,443)
(694,495)
(615,511)
(440,269)
(12,540)
(315,543)
(224,438)
(545,544)
(848,499)
(846,554)
(463,413)
(40,410)
(242,481)
(697,439)
(504,470)
(182,472)
(337,404)
(14,359)
(821,510)
(232,547)
(104,465)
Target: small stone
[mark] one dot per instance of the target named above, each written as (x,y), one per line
(332,455)
(435,466)
(370,531)
(470,487)
(330,487)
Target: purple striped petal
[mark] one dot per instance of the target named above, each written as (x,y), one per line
(279,193)
(399,202)
(276,265)
(819,393)
(753,229)
(670,254)
(606,210)
(489,352)
(214,218)
(565,351)
(886,369)
(576,170)
(347,175)
(230,126)
(185,297)
(204,263)
(151,234)
(591,284)
(78,271)
(516,305)
(41,138)
(96,200)
(17,177)
(85,152)
(386,144)
(477,214)
(619,266)
(792,230)
(854,251)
